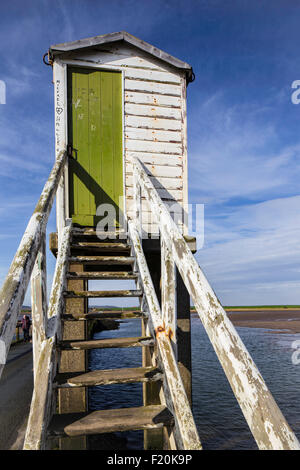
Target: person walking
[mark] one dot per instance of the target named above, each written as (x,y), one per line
(25,327)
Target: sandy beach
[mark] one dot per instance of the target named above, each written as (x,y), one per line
(285,321)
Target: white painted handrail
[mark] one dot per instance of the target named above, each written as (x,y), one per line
(16,282)
(41,404)
(266,422)
(186,434)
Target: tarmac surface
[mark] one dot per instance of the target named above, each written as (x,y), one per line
(16,385)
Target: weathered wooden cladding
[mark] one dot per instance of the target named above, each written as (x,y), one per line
(152,76)
(152,135)
(265,420)
(154,94)
(16,282)
(145,86)
(151,110)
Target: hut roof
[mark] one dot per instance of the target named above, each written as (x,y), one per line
(97,42)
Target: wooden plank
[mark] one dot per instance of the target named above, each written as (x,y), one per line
(170,195)
(154,159)
(106,421)
(109,377)
(117,234)
(152,87)
(152,100)
(149,219)
(108,275)
(152,135)
(144,122)
(160,182)
(100,247)
(105,260)
(152,75)
(132,109)
(159,170)
(136,145)
(108,343)
(103,293)
(103,315)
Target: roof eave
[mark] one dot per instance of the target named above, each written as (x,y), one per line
(88,43)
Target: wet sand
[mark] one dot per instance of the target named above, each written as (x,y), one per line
(284,321)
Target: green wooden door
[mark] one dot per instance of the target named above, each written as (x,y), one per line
(95,133)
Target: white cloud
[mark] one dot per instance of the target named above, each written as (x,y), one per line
(235,154)
(258,258)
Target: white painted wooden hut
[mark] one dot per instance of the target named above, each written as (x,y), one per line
(116,98)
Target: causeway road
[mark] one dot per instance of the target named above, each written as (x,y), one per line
(16,385)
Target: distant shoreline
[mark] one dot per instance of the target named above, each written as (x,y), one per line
(257,307)
(285,320)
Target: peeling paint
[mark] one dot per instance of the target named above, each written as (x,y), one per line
(265,420)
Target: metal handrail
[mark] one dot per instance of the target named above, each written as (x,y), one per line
(265,420)
(16,282)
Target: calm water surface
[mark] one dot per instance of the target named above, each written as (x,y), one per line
(220,422)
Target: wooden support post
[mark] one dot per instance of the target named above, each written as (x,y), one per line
(184,353)
(168,294)
(74,400)
(168,310)
(184,434)
(39,303)
(153,439)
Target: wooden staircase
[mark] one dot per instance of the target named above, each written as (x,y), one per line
(103,260)
(59,330)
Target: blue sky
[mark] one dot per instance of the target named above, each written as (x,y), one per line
(243,130)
